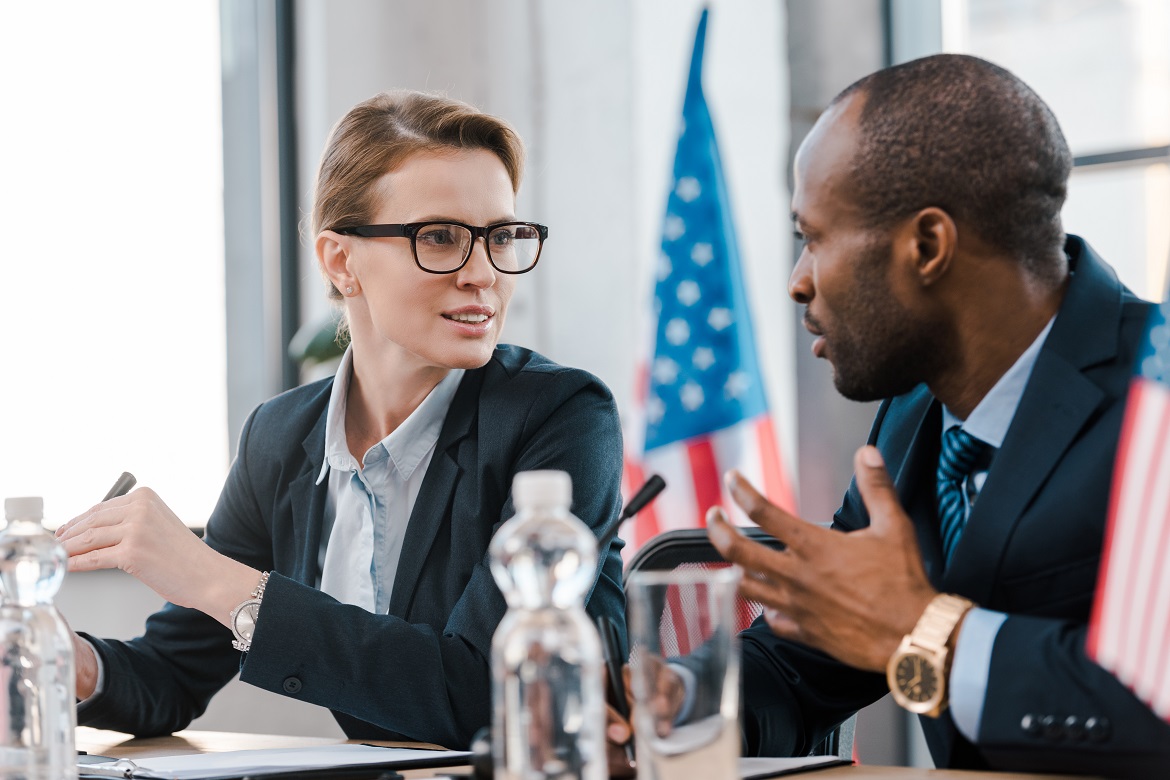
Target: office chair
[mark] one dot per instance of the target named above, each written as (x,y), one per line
(690,547)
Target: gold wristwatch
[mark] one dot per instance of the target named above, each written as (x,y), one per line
(917,671)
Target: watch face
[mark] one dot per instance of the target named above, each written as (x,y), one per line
(244,621)
(916,680)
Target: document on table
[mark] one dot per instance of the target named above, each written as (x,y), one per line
(273,763)
(760,768)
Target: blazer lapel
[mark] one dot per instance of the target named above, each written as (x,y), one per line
(436,493)
(1057,402)
(915,485)
(307,502)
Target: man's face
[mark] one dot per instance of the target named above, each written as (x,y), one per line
(859,302)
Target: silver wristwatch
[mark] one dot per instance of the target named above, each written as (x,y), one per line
(243,617)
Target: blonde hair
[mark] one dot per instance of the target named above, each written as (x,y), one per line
(379,134)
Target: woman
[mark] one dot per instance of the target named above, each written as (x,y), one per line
(359,509)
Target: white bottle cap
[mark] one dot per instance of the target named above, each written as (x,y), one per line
(542,488)
(25,508)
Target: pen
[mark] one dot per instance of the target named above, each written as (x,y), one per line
(611,647)
(122,486)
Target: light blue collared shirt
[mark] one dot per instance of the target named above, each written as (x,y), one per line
(989,422)
(368,505)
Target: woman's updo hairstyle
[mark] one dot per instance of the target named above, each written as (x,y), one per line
(379,134)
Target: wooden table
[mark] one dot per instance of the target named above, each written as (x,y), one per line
(118,745)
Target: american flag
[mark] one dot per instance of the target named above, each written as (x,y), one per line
(1129,632)
(702,409)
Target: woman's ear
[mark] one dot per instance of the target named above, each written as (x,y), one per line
(333,253)
(931,237)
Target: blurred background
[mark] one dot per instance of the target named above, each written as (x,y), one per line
(157,162)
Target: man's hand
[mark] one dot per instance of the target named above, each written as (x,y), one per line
(852,595)
(85,665)
(618,731)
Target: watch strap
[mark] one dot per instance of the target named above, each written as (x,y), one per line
(938,620)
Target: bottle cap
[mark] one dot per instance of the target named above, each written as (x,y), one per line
(542,488)
(24,508)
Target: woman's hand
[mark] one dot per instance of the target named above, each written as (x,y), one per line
(140,535)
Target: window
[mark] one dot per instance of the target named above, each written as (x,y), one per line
(112,306)
(1104,68)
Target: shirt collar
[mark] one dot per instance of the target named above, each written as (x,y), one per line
(993,415)
(407,444)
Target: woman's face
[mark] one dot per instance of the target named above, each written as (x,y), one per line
(401,312)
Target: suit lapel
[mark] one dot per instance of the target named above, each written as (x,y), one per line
(1057,402)
(307,502)
(915,484)
(437,492)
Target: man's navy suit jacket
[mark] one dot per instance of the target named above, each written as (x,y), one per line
(1031,549)
(422,671)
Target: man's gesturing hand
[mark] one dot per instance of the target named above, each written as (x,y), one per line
(851,595)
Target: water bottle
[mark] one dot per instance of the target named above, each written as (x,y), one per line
(549,708)
(37,702)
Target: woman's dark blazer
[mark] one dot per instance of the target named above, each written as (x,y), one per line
(422,672)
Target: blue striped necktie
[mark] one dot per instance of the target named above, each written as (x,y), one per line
(960,453)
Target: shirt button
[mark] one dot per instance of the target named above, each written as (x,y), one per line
(1030,725)
(292,685)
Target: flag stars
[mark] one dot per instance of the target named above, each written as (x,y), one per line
(702,253)
(665,371)
(678,331)
(688,292)
(737,384)
(674,227)
(691,396)
(665,267)
(655,410)
(719,318)
(703,358)
(688,188)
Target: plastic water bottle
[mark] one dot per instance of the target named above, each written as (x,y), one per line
(549,708)
(37,702)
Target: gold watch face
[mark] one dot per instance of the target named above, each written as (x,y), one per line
(914,681)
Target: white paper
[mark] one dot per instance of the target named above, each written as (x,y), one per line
(254,762)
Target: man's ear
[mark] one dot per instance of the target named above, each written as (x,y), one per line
(930,238)
(333,254)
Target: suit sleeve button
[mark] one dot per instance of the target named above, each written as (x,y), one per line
(292,685)
(1098,729)
(1030,725)
(1074,728)
(1053,729)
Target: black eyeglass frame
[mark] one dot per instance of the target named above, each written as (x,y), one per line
(411,229)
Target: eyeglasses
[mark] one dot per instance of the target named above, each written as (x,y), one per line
(445,247)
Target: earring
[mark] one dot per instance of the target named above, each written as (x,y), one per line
(349,291)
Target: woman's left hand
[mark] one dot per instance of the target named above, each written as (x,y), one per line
(139,534)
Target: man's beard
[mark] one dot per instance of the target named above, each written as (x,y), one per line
(879,348)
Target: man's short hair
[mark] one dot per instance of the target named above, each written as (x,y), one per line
(966,136)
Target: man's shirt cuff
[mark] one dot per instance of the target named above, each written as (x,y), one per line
(971,667)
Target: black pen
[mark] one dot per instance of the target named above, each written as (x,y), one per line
(122,486)
(611,647)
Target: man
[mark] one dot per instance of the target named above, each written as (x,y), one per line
(936,276)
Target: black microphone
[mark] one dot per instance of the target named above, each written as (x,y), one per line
(644,496)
